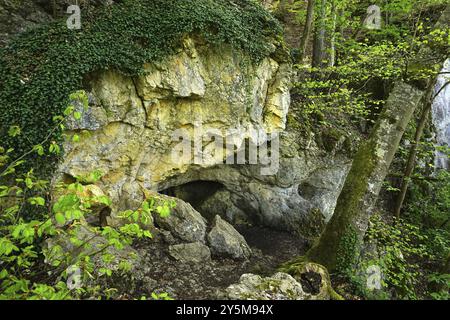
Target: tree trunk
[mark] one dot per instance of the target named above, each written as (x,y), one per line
(340,243)
(332,49)
(307,30)
(411,163)
(319,36)
(54,9)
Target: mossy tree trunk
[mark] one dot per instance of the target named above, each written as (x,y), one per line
(340,243)
(319,35)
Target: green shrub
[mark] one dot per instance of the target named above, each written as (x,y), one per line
(400,246)
(42,240)
(410,259)
(429,202)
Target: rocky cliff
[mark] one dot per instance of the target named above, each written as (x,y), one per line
(209,125)
(135,124)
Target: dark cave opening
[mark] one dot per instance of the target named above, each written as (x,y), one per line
(211,198)
(197,193)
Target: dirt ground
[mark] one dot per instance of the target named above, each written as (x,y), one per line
(161,273)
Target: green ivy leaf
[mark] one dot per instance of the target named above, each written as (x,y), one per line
(14,131)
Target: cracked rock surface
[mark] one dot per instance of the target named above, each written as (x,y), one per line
(135,125)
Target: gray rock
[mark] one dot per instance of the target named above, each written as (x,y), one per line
(149,284)
(281,286)
(184,221)
(17,16)
(195,252)
(167,237)
(225,240)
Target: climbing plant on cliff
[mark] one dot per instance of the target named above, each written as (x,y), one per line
(42,67)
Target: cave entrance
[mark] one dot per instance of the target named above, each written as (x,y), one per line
(210,198)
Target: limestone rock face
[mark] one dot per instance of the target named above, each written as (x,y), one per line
(17,16)
(195,252)
(225,240)
(135,126)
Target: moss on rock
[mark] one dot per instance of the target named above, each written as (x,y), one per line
(301,267)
